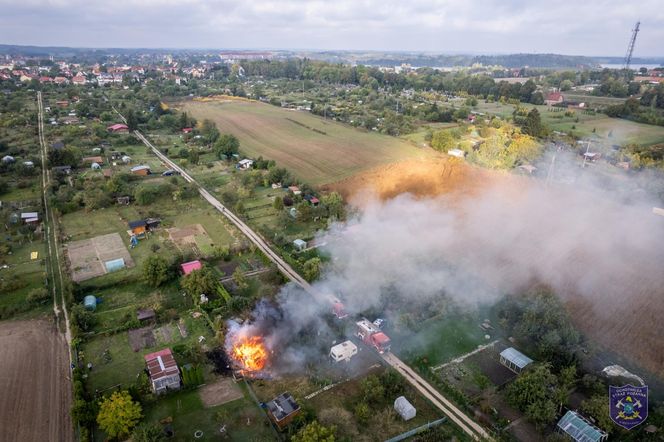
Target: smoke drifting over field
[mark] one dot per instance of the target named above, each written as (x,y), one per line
(602,254)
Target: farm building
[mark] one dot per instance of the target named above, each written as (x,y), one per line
(8,159)
(164,372)
(312,200)
(187,130)
(138,227)
(145,315)
(28,164)
(592,156)
(90,160)
(343,352)
(30,217)
(456,153)
(124,200)
(95,166)
(62,170)
(553,98)
(579,429)
(190,266)
(118,128)
(126,159)
(141,170)
(300,244)
(296,190)
(404,408)
(245,164)
(514,359)
(152,223)
(282,410)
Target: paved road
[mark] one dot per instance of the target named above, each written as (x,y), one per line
(470,427)
(59,303)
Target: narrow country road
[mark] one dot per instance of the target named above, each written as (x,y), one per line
(470,427)
(53,259)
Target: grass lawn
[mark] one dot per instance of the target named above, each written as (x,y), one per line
(622,131)
(122,367)
(242,417)
(124,364)
(317,151)
(27,275)
(440,339)
(419,136)
(24,194)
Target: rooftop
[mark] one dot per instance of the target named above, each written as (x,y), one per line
(135,168)
(516,357)
(137,223)
(190,266)
(282,406)
(161,364)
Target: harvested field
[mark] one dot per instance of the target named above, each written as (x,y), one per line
(219,392)
(317,151)
(87,257)
(35,385)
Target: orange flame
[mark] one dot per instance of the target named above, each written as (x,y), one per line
(250,352)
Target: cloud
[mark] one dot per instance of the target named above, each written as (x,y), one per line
(594,27)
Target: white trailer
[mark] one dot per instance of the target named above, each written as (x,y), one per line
(343,351)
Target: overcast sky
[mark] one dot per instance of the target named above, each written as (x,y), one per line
(583,27)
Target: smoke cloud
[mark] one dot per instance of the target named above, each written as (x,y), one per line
(602,251)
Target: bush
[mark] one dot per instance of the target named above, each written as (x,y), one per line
(38,296)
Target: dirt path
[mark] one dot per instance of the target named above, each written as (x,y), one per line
(36,392)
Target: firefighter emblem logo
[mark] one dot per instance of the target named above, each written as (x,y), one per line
(628,405)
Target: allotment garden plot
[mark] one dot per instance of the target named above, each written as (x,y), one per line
(97,256)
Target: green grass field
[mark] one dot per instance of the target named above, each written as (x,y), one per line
(26,274)
(242,417)
(317,151)
(609,130)
(441,339)
(124,365)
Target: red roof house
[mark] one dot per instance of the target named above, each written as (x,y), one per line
(118,128)
(554,98)
(187,130)
(164,371)
(190,266)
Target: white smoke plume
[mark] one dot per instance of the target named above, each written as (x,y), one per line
(597,249)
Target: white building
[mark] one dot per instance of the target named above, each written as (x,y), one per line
(457,153)
(245,164)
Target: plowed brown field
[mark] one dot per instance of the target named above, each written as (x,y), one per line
(36,391)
